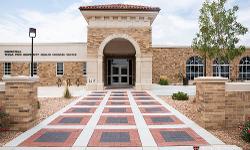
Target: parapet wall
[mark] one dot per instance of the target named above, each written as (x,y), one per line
(20,102)
(237,103)
(223,104)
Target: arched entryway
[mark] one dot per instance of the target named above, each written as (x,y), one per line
(119,63)
(120,58)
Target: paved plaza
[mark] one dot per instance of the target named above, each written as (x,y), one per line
(116,119)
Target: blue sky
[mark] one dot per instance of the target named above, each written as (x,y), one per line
(61,21)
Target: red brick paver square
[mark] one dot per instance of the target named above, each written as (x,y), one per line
(88,103)
(113,110)
(93,98)
(78,110)
(159,139)
(118,98)
(117,103)
(157,109)
(144,98)
(134,140)
(161,120)
(58,120)
(147,103)
(32,140)
(103,120)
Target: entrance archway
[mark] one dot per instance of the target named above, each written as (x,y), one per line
(119,63)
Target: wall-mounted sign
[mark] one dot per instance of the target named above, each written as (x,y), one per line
(19,53)
(49,53)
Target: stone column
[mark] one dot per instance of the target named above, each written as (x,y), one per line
(92,71)
(21,102)
(138,74)
(210,94)
(100,83)
(146,72)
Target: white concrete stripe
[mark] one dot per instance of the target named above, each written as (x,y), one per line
(87,132)
(167,126)
(144,133)
(84,106)
(77,114)
(18,140)
(158,114)
(191,124)
(117,114)
(115,106)
(114,148)
(65,127)
(145,106)
(116,127)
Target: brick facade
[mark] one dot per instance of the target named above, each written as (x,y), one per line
(169,61)
(47,72)
(96,36)
(165,61)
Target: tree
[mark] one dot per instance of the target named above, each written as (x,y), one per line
(219,33)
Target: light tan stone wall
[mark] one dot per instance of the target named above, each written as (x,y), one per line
(210,94)
(20,68)
(47,72)
(237,107)
(219,105)
(168,61)
(97,35)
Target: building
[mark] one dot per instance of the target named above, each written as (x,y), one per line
(118,52)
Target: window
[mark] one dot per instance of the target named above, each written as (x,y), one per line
(59,68)
(84,69)
(244,68)
(224,68)
(35,66)
(194,68)
(7,68)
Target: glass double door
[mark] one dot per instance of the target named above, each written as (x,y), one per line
(120,74)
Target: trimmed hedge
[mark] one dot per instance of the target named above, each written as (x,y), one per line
(180,96)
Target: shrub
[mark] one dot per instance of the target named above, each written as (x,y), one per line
(245,132)
(163,81)
(67,93)
(180,96)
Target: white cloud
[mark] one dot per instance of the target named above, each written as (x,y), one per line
(65,26)
(176,24)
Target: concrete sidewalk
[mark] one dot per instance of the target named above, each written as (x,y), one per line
(115,119)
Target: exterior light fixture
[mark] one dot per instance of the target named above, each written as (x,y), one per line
(32,35)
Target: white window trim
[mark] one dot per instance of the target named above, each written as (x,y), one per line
(189,72)
(243,73)
(222,65)
(7,75)
(56,69)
